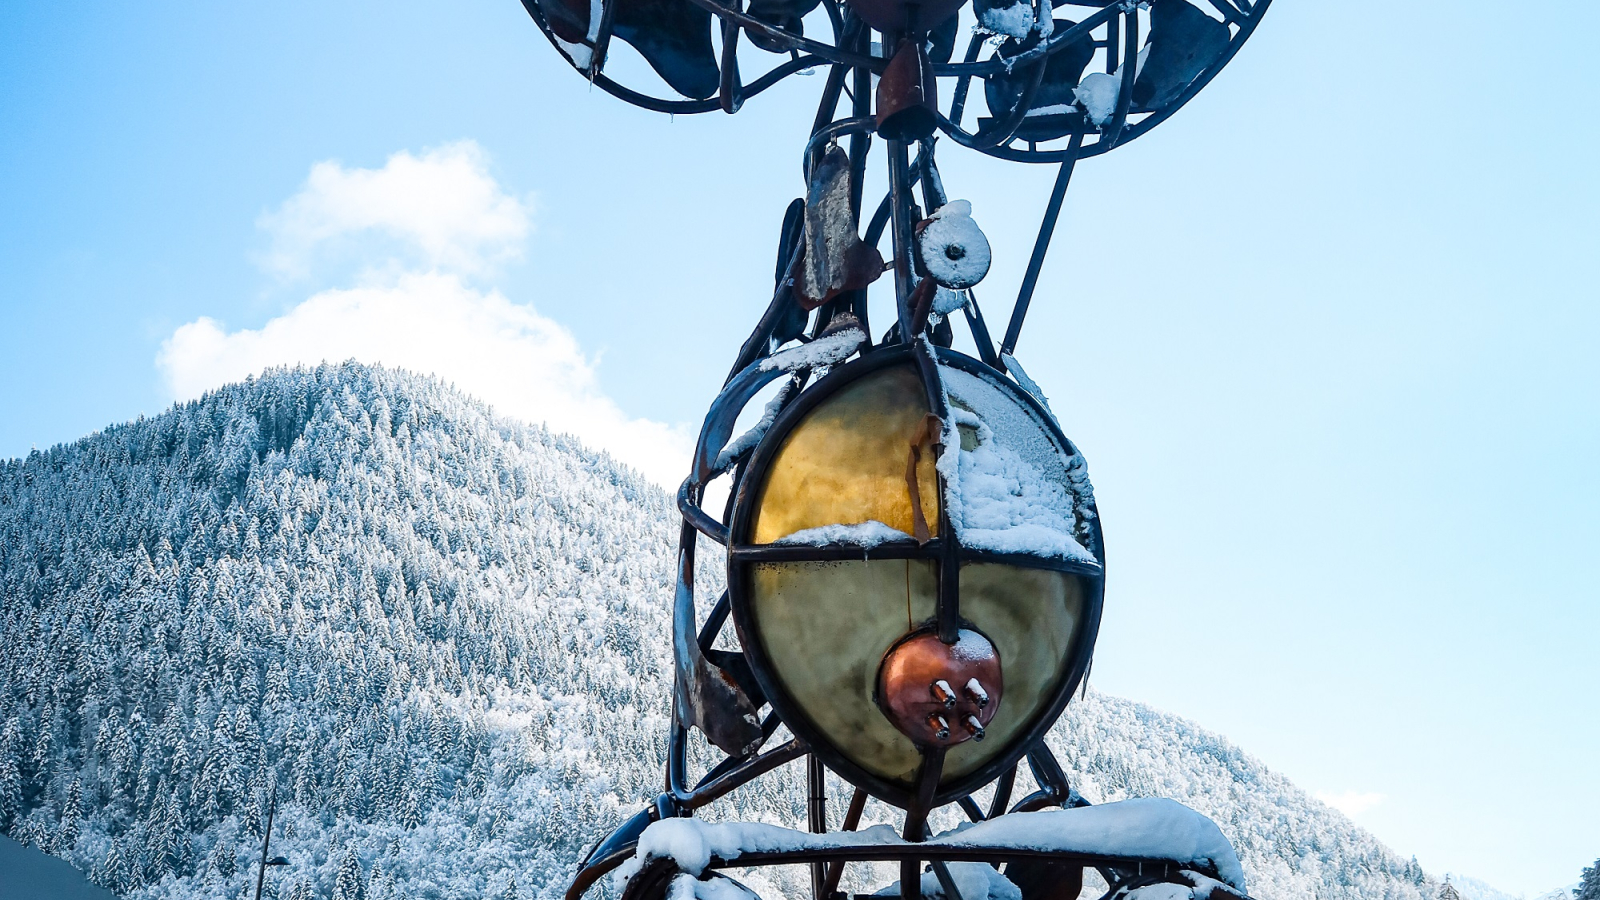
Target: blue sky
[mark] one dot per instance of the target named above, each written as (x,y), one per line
(1327,337)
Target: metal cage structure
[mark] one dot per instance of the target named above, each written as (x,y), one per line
(947,572)
(915,565)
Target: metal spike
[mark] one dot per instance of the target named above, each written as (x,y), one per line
(975,691)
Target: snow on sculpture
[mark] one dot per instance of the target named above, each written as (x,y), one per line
(914,556)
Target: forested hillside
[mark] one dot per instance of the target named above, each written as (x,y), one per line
(440,637)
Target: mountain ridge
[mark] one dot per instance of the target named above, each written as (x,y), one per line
(441,636)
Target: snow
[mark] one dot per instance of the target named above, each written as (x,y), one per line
(693,843)
(757,431)
(688,887)
(870,533)
(530,653)
(953,247)
(969,646)
(583,54)
(1147,828)
(1203,886)
(1013,492)
(1015,20)
(824,351)
(975,687)
(1026,383)
(1054,109)
(1097,93)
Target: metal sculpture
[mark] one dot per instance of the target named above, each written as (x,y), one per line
(915,563)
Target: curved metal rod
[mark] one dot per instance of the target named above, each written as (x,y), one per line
(880,217)
(972,142)
(730,93)
(822,54)
(1013,154)
(1054,44)
(830,98)
(693,107)
(1130,71)
(1246,28)
(740,774)
(958,103)
(1002,793)
(699,518)
(769,726)
(836,19)
(788,39)
(1152,867)
(1005,129)
(820,137)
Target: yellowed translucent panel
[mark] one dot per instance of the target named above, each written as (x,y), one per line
(845,463)
(1033,617)
(825,627)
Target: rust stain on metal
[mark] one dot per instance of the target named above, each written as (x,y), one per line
(907,102)
(927,433)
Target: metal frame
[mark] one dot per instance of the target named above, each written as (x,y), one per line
(1123,872)
(843,53)
(945,549)
(1113,27)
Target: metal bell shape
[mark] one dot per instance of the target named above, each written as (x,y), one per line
(907,95)
(836,260)
(1183,42)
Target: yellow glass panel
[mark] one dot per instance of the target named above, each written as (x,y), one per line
(825,627)
(1033,617)
(845,463)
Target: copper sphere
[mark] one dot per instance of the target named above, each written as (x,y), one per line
(939,694)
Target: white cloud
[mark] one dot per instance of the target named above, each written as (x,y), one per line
(421,315)
(1351,803)
(444,209)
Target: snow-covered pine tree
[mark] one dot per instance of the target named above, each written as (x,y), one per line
(71,816)
(222,862)
(10,778)
(1589,887)
(189,610)
(349,884)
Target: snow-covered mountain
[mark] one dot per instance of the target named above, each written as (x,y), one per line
(441,637)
